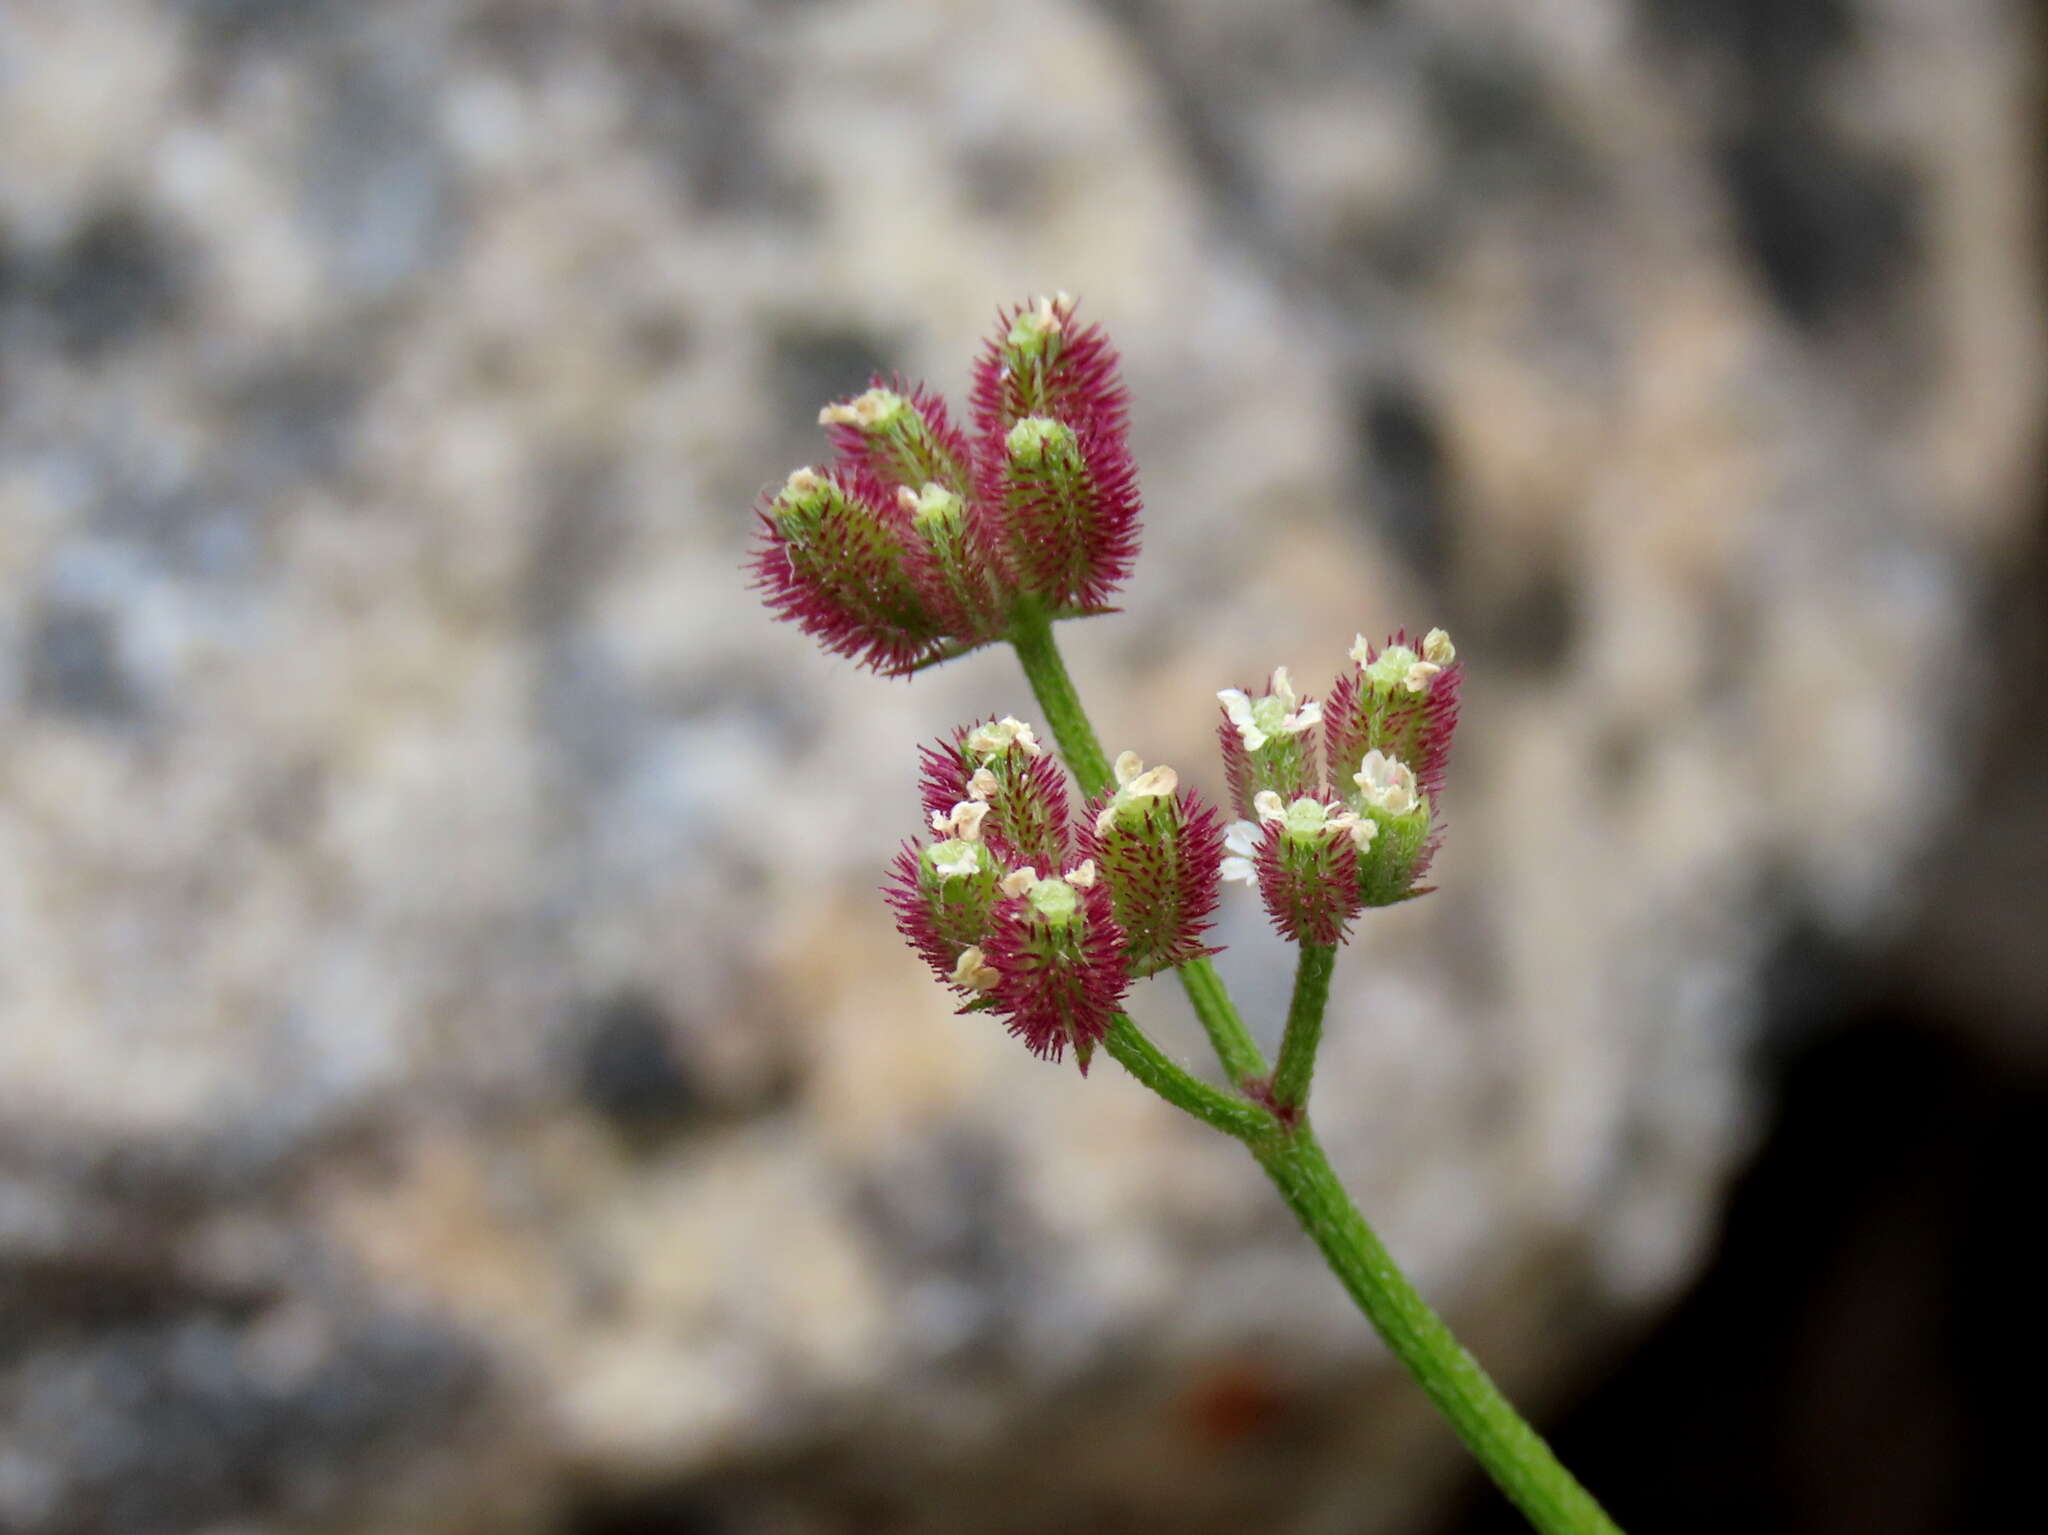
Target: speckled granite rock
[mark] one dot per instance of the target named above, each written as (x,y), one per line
(432,1097)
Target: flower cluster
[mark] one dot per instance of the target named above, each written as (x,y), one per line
(1045,925)
(1321,850)
(920,541)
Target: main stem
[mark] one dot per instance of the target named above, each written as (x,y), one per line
(1512,1452)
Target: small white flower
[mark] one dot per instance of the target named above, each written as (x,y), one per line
(1386,782)
(1416,678)
(1082,875)
(974,971)
(1268,806)
(982,785)
(1135,782)
(876,408)
(1280,712)
(1241,841)
(1437,647)
(1306,818)
(987,741)
(956,860)
(1019,881)
(1363,828)
(964,822)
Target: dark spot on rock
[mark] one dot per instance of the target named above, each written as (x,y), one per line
(193,532)
(1811,980)
(376,183)
(75,666)
(116,278)
(1484,102)
(683,1509)
(292,419)
(1230,1403)
(1406,477)
(578,532)
(950,1212)
(813,365)
(1830,227)
(658,342)
(1530,628)
(1829,224)
(1770,42)
(1619,751)
(156,1429)
(1003,180)
(629,1070)
(698,101)
(232,23)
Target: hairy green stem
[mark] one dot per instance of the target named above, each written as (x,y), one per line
(1046,671)
(1512,1452)
(1297,1066)
(1044,668)
(1144,1060)
(1235,1047)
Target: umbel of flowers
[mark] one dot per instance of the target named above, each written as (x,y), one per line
(920,541)
(1039,923)
(1322,848)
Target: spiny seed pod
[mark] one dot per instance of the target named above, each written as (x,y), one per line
(1402,700)
(1159,850)
(1059,493)
(943,895)
(1040,363)
(1304,856)
(958,577)
(835,561)
(921,543)
(900,439)
(1000,764)
(1069,514)
(1385,794)
(1057,956)
(1267,742)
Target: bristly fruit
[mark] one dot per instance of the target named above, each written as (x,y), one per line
(1267,742)
(1160,850)
(1322,850)
(1042,951)
(920,542)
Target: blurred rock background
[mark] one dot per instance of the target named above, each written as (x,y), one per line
(437,1092)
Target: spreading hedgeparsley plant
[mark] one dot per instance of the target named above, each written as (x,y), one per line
(922,541)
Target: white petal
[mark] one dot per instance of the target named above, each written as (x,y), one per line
(1158,783)
(1241,869)
(1419,675)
